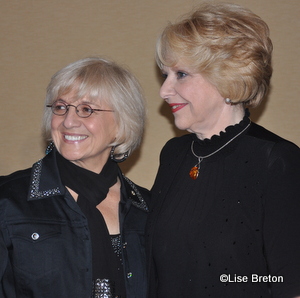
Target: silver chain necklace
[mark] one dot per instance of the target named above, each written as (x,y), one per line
(194,172)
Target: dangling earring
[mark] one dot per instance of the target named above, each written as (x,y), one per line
(125,155)
(227,101)
(49,148)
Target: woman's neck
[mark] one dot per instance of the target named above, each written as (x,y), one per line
(230,115)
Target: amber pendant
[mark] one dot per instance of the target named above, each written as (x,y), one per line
(194,172)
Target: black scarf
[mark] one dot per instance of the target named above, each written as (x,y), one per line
(92,189)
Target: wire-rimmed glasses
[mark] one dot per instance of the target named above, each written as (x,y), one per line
(83,110)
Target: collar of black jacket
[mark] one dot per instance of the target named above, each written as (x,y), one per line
(45,182)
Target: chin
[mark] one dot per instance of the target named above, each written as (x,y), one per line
(181,126)
(70,156)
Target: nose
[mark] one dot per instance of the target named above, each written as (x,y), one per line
(167,88)
(71,119)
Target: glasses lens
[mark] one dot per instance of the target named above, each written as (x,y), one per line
(84,110)
(59,108)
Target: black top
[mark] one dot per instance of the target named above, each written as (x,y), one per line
(92,188)
(234,232)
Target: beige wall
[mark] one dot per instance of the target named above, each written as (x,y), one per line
(38,37)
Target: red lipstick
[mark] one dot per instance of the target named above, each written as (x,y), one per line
(177,106)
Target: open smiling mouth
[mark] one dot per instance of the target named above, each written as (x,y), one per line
(74,138)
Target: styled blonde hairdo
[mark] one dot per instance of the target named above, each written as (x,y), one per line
(226,43)
(106,82)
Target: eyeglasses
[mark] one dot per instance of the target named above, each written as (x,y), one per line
(83,110)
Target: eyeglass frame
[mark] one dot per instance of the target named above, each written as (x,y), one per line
(76,109)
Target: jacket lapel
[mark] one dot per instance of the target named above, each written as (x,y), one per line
(133,194)
(45,181)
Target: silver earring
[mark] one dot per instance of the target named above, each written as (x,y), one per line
(112,156)
(227,101)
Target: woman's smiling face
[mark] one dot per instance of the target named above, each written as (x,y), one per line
(84,141)
(195,102)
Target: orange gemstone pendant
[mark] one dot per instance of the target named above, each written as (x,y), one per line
(194,172)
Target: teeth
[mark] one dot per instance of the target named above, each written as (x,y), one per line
(75,138)
(175,107)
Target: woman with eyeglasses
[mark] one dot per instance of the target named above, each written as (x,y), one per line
(73,224)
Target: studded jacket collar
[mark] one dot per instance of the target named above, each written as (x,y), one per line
(40,188)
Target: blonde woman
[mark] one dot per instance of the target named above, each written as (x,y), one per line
(226,200)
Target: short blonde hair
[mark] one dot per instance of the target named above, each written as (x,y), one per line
(228,44)
(103,80)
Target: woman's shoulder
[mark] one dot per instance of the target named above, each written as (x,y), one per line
(15,178)
(259,132)
(177,144)
(273,148)
(13,189)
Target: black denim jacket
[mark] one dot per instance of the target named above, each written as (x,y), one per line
(45,247)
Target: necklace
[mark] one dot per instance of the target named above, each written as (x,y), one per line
(194,172)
